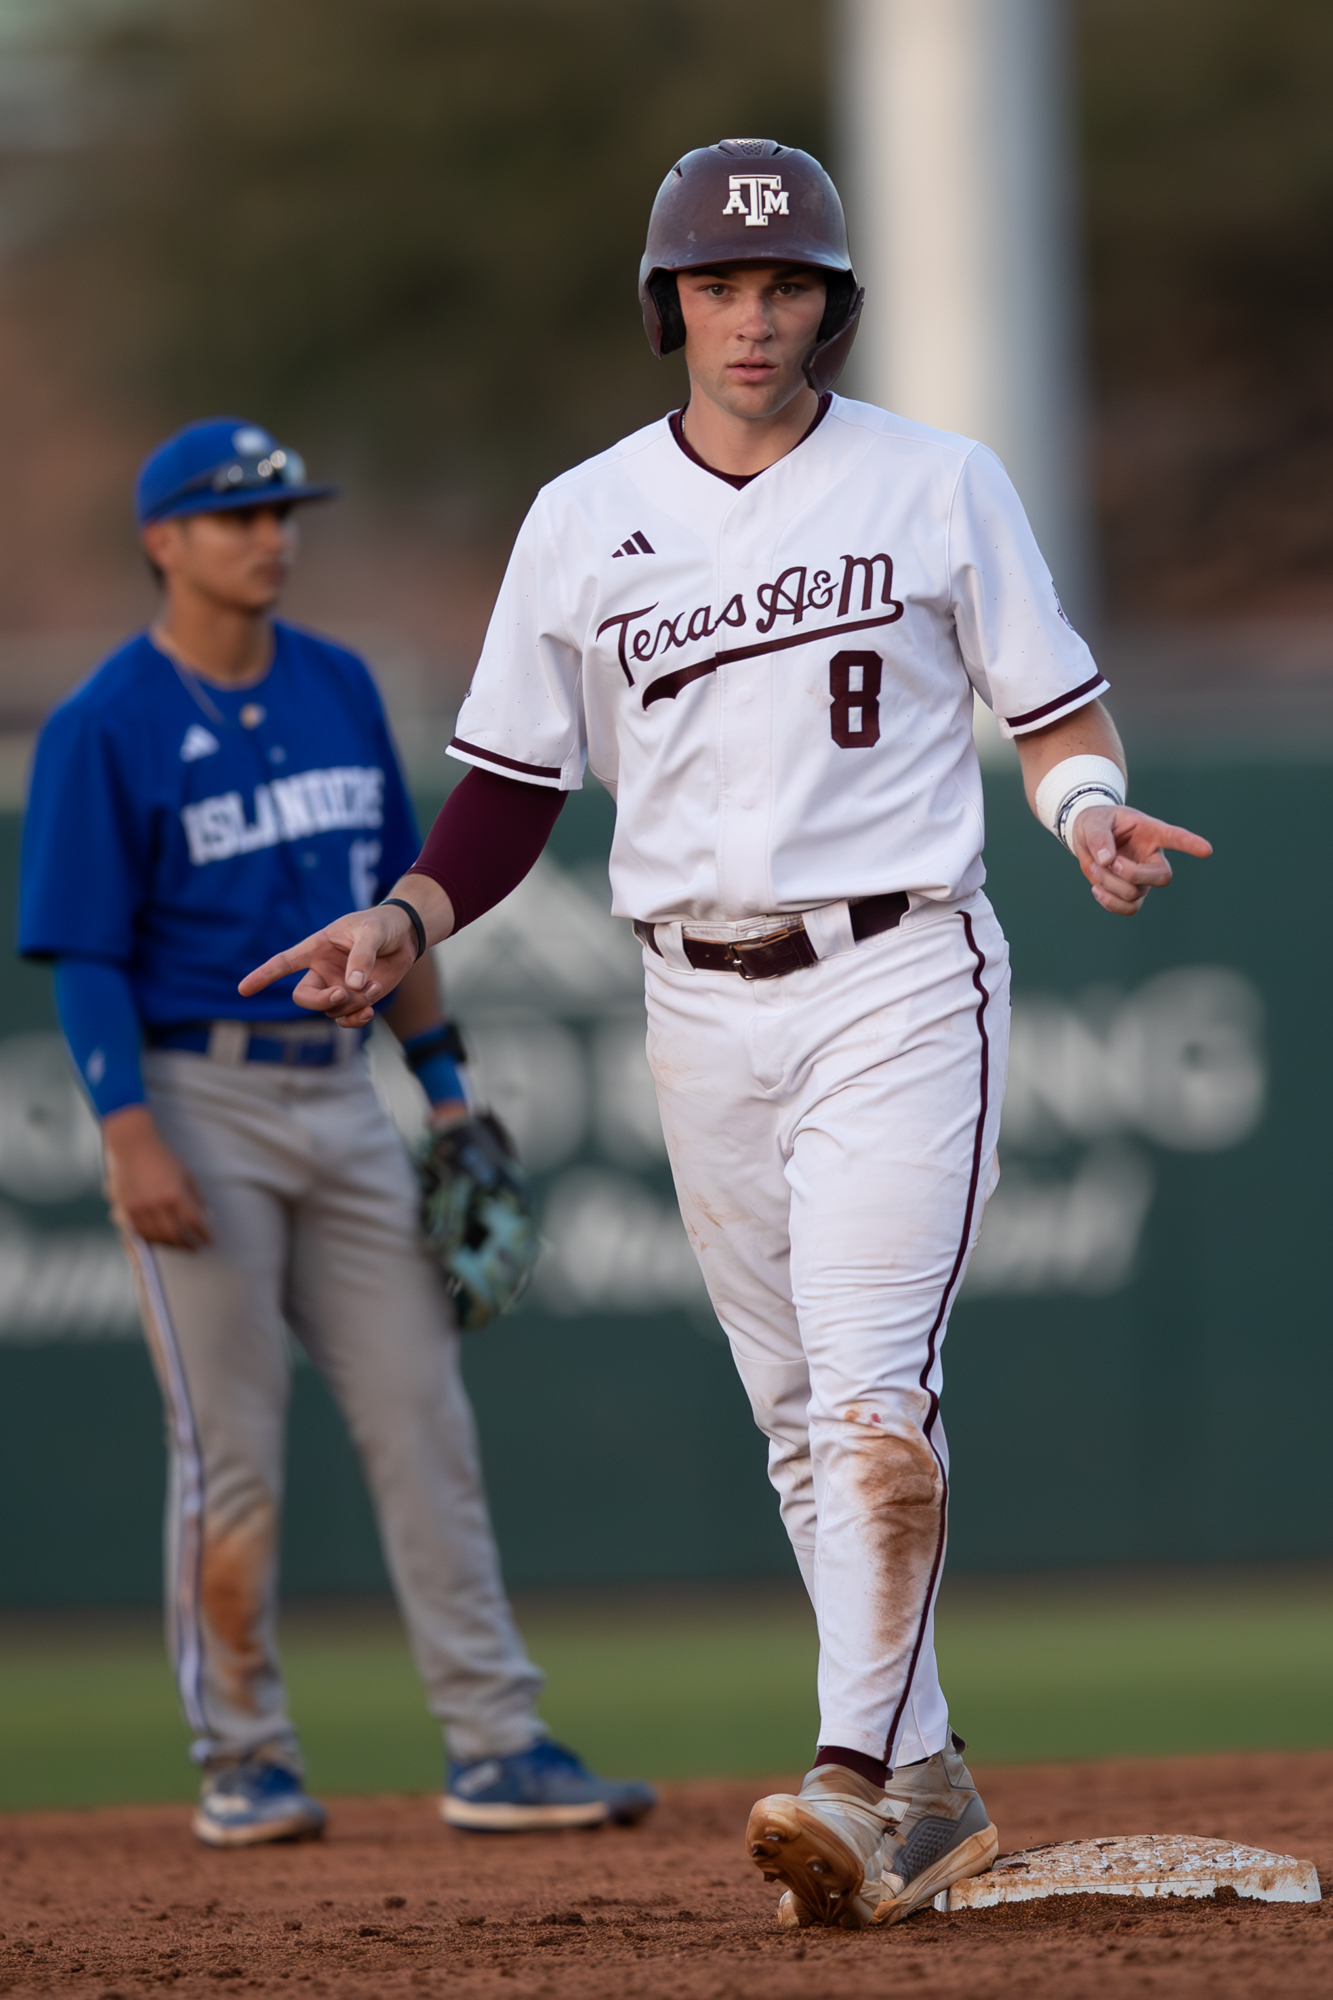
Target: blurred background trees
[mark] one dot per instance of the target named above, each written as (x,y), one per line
(1208,164)
(406,233)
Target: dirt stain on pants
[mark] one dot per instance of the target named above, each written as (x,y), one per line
(901,1488)
(237,1560)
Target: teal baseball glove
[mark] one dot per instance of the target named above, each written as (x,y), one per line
(477,1216)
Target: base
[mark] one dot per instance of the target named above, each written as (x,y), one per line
(1138,1864)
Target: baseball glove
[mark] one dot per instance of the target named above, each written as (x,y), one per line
(477,1216)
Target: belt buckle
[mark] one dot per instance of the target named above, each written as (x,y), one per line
(765,943)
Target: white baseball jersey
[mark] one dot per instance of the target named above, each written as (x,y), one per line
(775,682)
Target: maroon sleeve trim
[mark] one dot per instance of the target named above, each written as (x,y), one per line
(510,763)
(1097,685)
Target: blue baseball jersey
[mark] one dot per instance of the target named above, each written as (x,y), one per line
(188,832)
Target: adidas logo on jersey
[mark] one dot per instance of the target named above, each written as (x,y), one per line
(199,742)
(637,545)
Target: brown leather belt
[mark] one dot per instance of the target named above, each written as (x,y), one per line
(779,952)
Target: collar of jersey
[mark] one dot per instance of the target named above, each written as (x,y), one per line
(676,424)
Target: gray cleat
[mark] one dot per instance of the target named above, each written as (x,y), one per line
(943,1835)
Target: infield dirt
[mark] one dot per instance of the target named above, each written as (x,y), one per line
(118,1903)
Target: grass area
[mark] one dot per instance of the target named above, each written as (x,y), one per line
(678,1683)
(1165,1669)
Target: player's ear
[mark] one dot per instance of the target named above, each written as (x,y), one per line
(156,540)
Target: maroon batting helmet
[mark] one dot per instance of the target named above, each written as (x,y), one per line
(711,208)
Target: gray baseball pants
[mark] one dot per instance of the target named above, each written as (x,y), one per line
(312,1204)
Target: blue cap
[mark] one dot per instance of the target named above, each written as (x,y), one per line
(221,463)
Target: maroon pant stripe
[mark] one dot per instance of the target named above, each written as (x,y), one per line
(978,1143)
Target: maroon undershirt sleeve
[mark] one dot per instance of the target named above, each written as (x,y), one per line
(486,836)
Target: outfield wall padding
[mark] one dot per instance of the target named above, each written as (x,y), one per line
(1140,1374)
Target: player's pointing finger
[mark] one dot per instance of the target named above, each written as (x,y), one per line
(1182,840)
(296,959)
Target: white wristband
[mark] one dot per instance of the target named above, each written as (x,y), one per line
(1071,787)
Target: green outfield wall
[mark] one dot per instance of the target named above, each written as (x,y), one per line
(1139,1371)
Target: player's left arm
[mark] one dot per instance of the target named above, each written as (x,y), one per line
(1121,850)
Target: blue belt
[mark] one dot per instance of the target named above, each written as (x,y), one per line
(295,1051)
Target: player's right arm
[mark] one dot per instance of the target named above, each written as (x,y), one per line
(362,957)
(151,1192)
(86,836)
(522,715)
(487,835)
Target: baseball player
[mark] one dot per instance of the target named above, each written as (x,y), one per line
(221,780)
(761,623)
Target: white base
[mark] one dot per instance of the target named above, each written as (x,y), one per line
(1141,1864)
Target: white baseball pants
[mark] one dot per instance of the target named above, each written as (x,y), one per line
(832,1136)
(313,1208)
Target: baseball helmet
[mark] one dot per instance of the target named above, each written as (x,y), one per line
(712,208)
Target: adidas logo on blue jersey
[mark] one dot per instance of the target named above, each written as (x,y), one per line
(199,742)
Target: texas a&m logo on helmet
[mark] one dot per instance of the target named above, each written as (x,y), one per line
(756,197)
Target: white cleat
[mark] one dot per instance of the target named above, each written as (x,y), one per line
(825,1844)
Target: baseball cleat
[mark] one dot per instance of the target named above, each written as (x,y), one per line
(254,1801)
(825,1844)
(942,1835)
(537,1789)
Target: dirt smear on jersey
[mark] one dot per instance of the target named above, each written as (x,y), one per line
(122,1902)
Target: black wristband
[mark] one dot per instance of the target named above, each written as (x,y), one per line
(446,1042)
(397,903)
